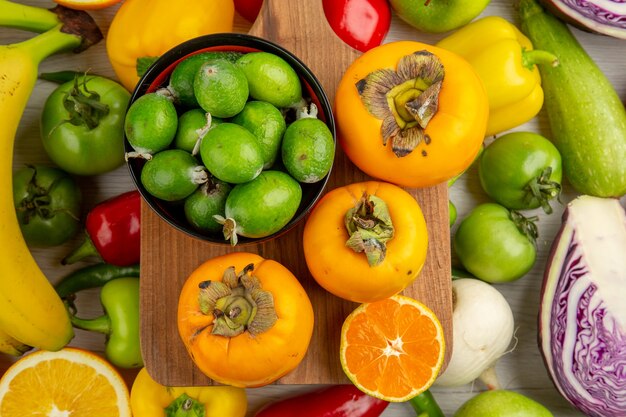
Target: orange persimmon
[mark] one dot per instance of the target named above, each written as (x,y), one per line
(411,113)
(245,321)
(365,241)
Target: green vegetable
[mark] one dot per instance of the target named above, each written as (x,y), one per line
(425,405)
(82,125)
(48,205)
(93,276)
(120,322)
(521,171)
(587,118)
(496,245)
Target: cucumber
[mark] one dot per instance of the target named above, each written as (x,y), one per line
(587,118)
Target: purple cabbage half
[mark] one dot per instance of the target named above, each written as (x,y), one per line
(607,17)
(582,316)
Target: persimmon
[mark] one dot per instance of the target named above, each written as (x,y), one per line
(245,321)
(365,241)
(411,113)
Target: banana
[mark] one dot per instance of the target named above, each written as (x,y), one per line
(31,312)
(21,16)
(10,346)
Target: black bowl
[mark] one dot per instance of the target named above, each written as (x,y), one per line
(158,76)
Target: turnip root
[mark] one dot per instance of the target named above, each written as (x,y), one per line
(482,328)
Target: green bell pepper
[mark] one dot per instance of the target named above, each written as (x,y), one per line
(120,322)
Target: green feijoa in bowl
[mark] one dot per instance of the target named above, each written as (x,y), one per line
(151,123)
(172,175)
(207,201)
(181,80)
(308,150)
(192,125)
(232,153)
(221,88)
(265,122)
(261,207)
(271,79)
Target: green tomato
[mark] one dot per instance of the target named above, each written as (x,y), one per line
(82,125)
(496,245)
(48,205)
(521,171)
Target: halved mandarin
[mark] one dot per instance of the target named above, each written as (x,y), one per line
(392,349)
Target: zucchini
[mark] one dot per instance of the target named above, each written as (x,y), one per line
(587,118)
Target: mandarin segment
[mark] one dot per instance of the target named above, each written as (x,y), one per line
(392,349)
(360,357)
(364,332)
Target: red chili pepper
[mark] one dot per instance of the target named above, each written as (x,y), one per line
(248,9)
(112,228)
(331,401)
(362,24)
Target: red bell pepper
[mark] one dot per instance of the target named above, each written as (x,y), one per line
(112,231)
(362,24)
(248,9)
(331,401)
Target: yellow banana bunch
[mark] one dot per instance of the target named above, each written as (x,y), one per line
(31,312)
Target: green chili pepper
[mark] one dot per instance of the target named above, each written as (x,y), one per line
(93,276)
(120,322)
(425,405)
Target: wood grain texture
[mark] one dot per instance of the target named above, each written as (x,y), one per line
(168,256)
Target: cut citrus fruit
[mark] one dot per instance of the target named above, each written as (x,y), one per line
(70,382)
(87,4)
(392,349)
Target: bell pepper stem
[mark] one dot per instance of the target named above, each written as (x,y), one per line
(538,57)
(425,405)
(86,249)
(185,406)
(21,16)
(100,324)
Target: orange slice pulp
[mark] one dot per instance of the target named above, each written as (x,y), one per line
(392,349)
(70,382)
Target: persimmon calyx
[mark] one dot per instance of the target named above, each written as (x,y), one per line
(370,228)
(405,99)
(237,303)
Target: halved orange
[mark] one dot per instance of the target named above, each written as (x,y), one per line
(70,382)
(392,349)
(87,4)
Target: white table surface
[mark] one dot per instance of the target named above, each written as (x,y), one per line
(522,370)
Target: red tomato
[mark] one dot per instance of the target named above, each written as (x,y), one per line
(362,24)
(248,9)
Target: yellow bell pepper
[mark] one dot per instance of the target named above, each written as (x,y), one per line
(148,398)
(149,28)
(504,60)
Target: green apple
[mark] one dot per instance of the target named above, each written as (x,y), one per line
(502,403)
(438,16)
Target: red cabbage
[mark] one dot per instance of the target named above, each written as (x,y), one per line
(582,318)
(607,17)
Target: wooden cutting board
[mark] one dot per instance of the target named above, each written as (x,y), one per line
(168,256)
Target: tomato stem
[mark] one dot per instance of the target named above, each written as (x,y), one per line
(526,225)
(543,189)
